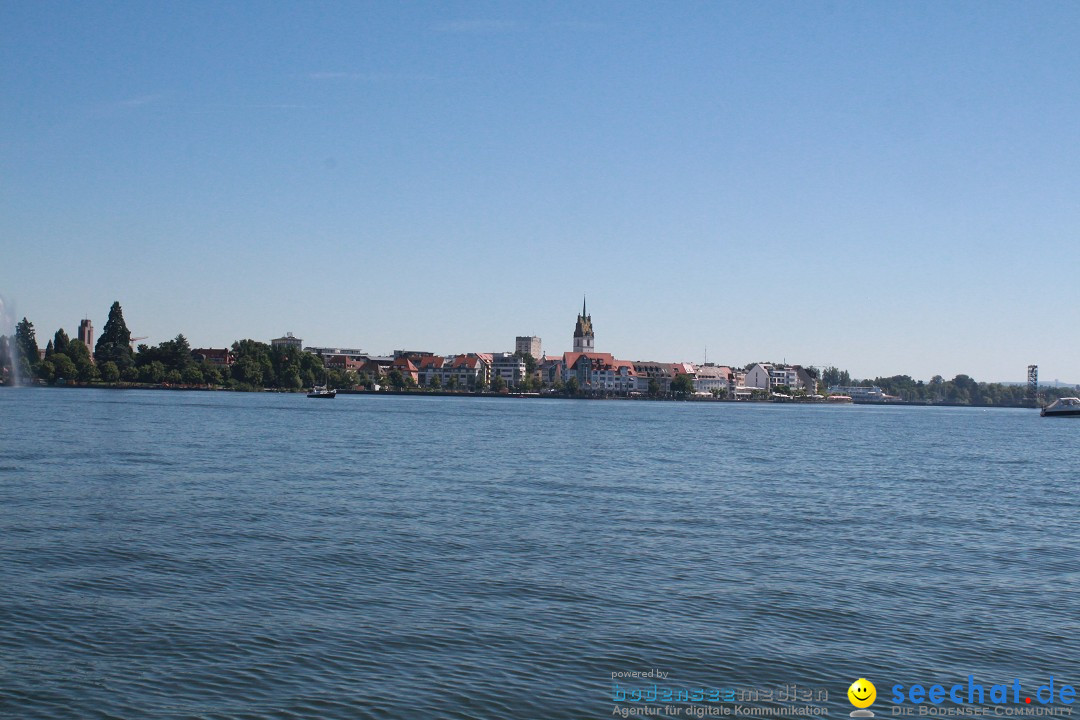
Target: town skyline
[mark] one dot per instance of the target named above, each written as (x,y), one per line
(86,328)
(889,188)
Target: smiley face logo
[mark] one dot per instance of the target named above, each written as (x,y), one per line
(862,693)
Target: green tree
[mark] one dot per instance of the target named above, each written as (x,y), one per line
(192,375)
(65,369)
(452,383)
(153,372)
(254,365)
(249,371)
(47,370)
(572,386)
(682,385)
(291,380)
(654,387)
(498,384)
(109,372)
(80,355)
(115,341)
(60,341)
(210,373)
(173,377)
(343,379)
(530,362)
(43,372)
(435,382)
(397,380)
(176,353)
(479,383)
(26,344)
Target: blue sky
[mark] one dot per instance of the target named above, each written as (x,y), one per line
(887,187)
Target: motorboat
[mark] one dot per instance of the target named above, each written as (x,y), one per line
(1062,407)
(321,391)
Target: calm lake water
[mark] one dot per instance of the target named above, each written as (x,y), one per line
(223,555)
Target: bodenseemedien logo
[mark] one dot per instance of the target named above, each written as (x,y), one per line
(862,694)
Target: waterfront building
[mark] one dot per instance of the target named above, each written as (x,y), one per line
(344,361)
(220,357)
(584,339)
(767,376)
(376,366)
(287,340)
(466,369)
(86,335)
(549,369)
(528,345)
(599,373)
(662,373)
(509,366)
(463,369)
(758,377)
(406,367)
(429,367)
(807,381)
(710,377)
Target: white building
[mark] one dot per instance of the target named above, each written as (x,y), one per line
(509,366)
(708,378)
(765,376)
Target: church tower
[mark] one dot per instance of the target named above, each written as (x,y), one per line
(584,340)
(86,334)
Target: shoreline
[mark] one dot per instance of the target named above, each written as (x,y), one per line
(518,396)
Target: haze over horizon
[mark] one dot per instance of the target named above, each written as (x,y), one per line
(885,188)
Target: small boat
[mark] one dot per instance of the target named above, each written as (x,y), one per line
(321,391)
(1062,407)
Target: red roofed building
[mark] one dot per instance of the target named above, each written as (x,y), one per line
(599,373)
(406,367)
(220,357)
(466,369)
(344,362)
(428,367)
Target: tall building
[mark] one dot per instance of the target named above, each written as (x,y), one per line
(287,340)
(86,333)
(584,340)
(529,345)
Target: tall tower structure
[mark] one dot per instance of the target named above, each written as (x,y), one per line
(584,340)
(86,334)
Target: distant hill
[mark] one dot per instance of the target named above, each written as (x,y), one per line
(1045,383)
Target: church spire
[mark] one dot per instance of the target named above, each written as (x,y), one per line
(582,306)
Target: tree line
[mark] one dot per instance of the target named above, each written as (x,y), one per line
(961,390)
